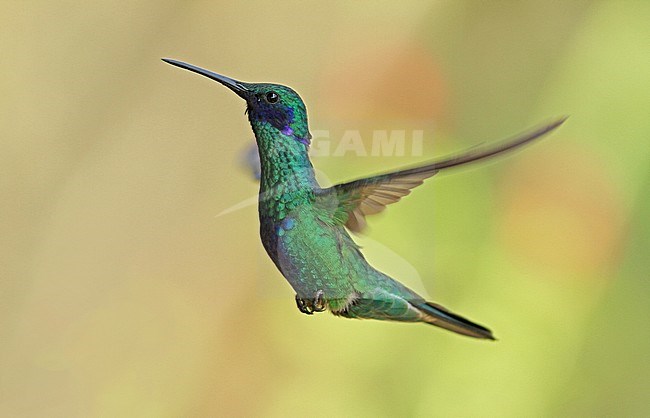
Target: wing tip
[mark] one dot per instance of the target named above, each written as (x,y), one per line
(557,122)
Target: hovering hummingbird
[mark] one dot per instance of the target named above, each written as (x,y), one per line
(304,228)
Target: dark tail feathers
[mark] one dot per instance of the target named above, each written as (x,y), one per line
(441,317)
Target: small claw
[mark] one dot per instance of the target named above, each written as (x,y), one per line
(303,306)
(318,303)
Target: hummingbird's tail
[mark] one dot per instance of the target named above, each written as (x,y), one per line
(407,307)
(435,314)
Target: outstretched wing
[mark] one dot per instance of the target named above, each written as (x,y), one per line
(355,200)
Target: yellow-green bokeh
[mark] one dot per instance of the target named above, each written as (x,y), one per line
(123,294)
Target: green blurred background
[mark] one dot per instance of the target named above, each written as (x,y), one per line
(123,294)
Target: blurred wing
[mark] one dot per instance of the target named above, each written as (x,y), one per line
(355,200)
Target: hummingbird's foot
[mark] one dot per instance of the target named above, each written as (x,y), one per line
(318,304)
(309,306)
(303,306)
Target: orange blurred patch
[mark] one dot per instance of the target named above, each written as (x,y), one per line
(394,82)
(562,213)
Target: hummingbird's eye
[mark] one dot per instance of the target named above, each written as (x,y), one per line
(272,97)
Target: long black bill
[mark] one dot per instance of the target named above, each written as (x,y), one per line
(234,85)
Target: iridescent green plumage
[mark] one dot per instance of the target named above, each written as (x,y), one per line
(304,228)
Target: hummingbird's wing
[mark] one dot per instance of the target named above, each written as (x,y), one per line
(359,198)
(355,200)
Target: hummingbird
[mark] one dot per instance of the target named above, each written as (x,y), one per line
(304,228)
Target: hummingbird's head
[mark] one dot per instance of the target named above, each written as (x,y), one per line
(269,106)
(279,107)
